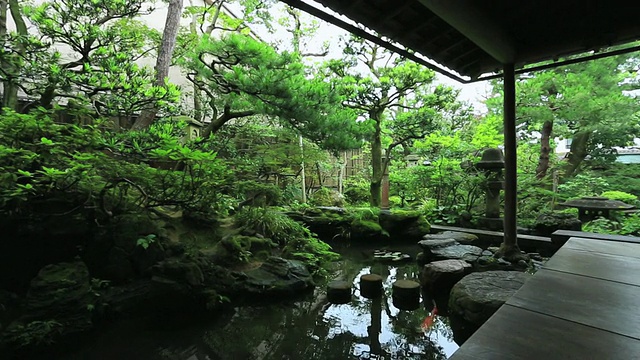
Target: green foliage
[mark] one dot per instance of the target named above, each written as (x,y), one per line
(620,177)
(582,185)
(628,224)
(395,97)
(296,240)
(356,191)
(620,195)
(270,223)
(586,102)
(631,225)
(259,194)
(602,225)
(104,42)
(364,214)
(101,174)
(146,241)
(326,197)
(34,333)
(249,77)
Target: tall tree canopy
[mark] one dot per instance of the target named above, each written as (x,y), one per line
(585,102)
(85,52)
(243,76)
(394,95)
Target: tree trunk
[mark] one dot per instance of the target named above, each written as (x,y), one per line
(376,160)
(319,172)
(577,152)
(545,150)
(9,87)
(198,113)
(169,35)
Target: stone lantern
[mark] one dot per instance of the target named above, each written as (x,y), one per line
(591,207)
(412,160)
(492,163)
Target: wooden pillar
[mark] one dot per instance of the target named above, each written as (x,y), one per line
(510,157)
(384,203)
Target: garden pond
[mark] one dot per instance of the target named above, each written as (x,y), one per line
(305,328)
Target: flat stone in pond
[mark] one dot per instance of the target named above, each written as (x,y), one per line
(461,237)
(479,295)
(339,292)
(278,277)
(461,252)
(440,276)
(433,244)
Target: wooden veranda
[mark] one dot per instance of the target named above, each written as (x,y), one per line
(582,305)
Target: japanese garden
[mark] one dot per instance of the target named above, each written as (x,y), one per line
(220,179)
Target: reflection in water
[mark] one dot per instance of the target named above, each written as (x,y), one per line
(309,328)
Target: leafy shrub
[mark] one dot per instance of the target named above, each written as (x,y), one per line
(602,226)
(631,225)
(626,225)
(621,177)
(356,191)
(621,196)
(326,197)
(582,185)
(259,194)
(100,173)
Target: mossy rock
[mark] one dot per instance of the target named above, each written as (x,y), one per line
(404,224)
(230,249)
(549,222)
(324,221)
(58,304)
(366,229)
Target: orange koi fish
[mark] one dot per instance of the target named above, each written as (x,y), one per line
(429,321)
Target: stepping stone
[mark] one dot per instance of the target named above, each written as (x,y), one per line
(440,276)
(468,253)
(461,237)
(371,285)
(406,294)
(339,292)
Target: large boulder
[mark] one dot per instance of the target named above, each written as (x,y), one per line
(277,277)
(479,295)
(440,276)
(59,303)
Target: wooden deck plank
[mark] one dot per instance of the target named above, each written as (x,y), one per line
(514,333)
(603,304)
(560,236)
(624,269)
(497,236)
(603,247)
(581,305)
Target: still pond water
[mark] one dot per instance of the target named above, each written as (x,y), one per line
(307,328)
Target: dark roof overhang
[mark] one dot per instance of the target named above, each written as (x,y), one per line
(471,40)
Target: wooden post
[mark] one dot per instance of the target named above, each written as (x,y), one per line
(304,180)
(510,245)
